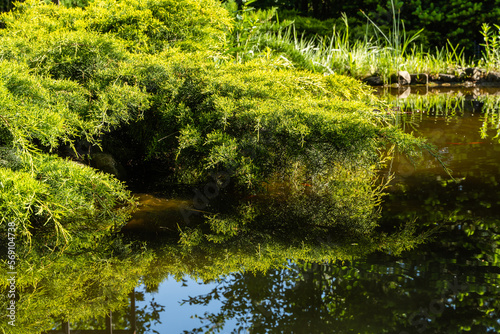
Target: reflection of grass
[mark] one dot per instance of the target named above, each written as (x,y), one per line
(449,106)
(491,116)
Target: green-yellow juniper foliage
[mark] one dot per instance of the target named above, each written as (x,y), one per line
(71,73)
(302,149)
(307,144)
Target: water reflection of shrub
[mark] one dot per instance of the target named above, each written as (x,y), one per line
(364,297)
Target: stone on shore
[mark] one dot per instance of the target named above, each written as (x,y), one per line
(403,78)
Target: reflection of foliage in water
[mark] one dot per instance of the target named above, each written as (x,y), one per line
(491,114)
(464,130)
(451,106)
(86,282)
(437,289)
(83,282)
(145,317)
(313,292)
(314,198)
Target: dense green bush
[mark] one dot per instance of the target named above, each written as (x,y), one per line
(42,192)
(59,200)
(47,103)
(161,81)
(156,24)
(267,127)
(217,114)
(141,26)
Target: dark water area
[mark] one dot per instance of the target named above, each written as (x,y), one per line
(464,208)
(449,284)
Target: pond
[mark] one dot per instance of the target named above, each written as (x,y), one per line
(449,283)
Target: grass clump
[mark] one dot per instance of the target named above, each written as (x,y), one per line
(491,54)
(379,52)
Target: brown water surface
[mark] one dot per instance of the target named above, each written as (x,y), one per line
(451,284)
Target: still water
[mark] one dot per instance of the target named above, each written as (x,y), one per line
(448,284)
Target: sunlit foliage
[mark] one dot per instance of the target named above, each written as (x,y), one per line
(156,74)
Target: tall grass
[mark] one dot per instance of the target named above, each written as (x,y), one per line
(363,58)
(491,53)
(328,54)
(383,54)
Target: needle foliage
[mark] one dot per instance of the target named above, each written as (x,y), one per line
(161,74)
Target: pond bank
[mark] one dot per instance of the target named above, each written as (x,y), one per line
(468,77)
(423,90)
